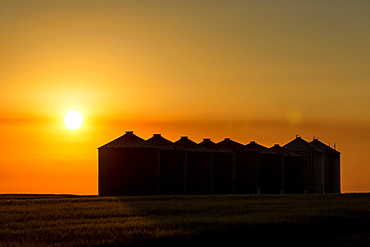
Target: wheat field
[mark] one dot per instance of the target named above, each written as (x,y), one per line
(248,220)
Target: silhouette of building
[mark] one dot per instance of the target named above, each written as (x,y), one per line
(271,169)
(331,166)
(199,166)
(130,165)
(173,165)
(223,167)
(247,167)
(313,164)
(293,170)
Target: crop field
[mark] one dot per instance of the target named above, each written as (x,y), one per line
(242,220)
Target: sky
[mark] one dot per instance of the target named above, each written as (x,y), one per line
(247,70)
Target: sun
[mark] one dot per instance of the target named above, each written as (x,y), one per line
(73,120)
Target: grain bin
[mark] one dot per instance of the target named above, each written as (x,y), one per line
(293,170)
(199,166)
(223,167)
(172,165)
(313,164)
(247,167)
(271,169)
(128,165)
(331,166)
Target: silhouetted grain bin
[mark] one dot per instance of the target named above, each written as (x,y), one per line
(199,166)
(223,167)
(128,165)
(314,164)
(247,167)
(293,170)
(172,165)
(271,169)
(331,167)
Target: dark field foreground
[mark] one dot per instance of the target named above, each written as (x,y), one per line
(243,220)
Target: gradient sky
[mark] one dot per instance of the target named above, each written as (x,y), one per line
(248,70)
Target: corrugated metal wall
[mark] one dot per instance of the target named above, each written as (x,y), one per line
(293,170)
(313,164)
(247,167)
(223,168)
(128,171)
(331,166)
(173,166)
(271,169)
(199,167)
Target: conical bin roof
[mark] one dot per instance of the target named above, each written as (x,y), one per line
(128,140)
(299,145)
(322,146)
(284,151)
(191,146)
(162,143)
(231,144)
(257,147)
(214,147)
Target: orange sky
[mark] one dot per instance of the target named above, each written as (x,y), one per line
(249,70)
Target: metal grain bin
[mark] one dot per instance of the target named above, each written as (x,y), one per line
(199,166)
(293,170)
(173,160)
(247,167)
(128,165)
(223,167)
(331,166)
(271,169)
(313,164)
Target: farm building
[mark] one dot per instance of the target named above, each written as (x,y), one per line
(293,170)
(223,167)
(128,165)
(173,169)
(271,169)
(313,164)
(247,167)
(199,166)
(331,167)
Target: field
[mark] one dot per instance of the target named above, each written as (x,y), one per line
(245,220)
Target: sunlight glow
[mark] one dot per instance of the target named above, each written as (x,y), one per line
(73,120)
